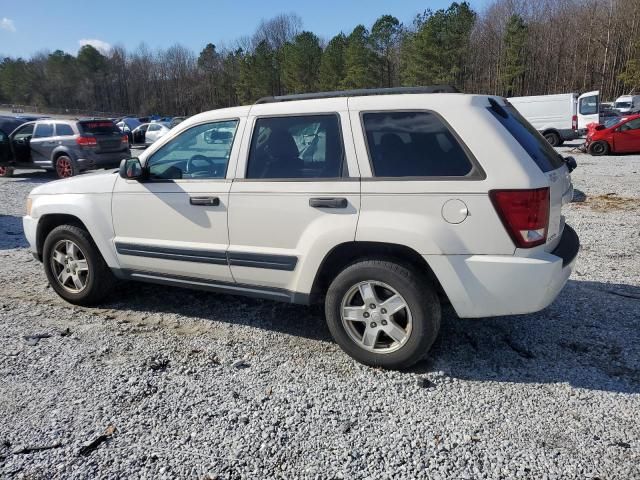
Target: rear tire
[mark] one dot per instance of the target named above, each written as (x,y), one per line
(412,328)
(553,138)
(6,171)
(65,167)
(74,266)
(599,148)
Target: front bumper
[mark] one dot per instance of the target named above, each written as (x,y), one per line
(496,285)
(30,227)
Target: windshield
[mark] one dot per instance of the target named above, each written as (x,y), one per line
(610,122)
(527,136)
(623,104)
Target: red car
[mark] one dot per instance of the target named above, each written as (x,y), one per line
(620,136)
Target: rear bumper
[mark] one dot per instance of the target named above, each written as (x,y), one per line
(495,285)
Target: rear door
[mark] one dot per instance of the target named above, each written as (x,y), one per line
(626,138)
(588,109)
(296,194)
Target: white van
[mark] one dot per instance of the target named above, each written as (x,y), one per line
(627,103)
(560,117)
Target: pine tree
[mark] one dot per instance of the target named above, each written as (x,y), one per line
(360,61)
(514,57)
(301,65)
(332,64)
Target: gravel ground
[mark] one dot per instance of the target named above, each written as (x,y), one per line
(169,383)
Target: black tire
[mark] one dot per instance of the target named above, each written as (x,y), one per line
(6,172)
(419,295)
(553,138)
(599,148)
(99,280)
(65,167)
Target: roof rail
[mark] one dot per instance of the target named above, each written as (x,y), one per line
(362,92)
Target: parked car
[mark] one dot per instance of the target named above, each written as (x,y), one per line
(7,125)
(127,125)
(176,121)
(407,199)
(65,146)
(138,135)
(155,130)
(627,103)
(559,117)
(617,136)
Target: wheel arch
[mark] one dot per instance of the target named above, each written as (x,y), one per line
(347,253)
(52,220)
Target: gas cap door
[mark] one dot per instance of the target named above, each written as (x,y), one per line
(455,211)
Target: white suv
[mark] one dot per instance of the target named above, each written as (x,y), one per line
(381,203)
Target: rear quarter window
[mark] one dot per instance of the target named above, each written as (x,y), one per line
(98,127)
(413,144)
(527,136)
(63,130)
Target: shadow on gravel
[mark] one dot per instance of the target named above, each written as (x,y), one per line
(589,338)
(11,233)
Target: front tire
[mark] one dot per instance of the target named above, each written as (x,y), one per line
(382,313)
(74,266)
(599,148)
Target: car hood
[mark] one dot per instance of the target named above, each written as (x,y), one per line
(95,182)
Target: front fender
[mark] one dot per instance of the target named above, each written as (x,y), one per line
(93,210)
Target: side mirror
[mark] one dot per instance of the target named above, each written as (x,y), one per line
(131,169)
(571,163)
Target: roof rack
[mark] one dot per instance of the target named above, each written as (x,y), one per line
(363,92)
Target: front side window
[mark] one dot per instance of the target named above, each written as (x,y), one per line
(24,132)
(413,144)
(63,130)
(296,147)
(589,105)
(43,130)
(200,152)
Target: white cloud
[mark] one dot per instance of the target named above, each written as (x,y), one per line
(100,45)
(7,24)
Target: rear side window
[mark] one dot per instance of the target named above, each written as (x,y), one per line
(292,147)
(63,129)
(43,130)
(588,105)
(527,136)
(413,144)
(98,127)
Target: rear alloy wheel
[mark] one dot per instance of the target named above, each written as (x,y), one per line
(553,139)
(65,167)
(6,171)
(383,313)
(599,148)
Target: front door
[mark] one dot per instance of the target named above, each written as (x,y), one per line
(588,109)
(175,224)
(292,200)
(21,143)
(626,138)
(42,143)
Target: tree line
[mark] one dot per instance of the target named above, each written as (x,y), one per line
(510,48)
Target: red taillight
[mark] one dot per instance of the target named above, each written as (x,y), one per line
(524,214)
(125,139)
(574,122)
(87,141)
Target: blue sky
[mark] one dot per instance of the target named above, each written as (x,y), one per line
(64,24)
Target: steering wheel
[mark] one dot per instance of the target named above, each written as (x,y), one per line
(191,168)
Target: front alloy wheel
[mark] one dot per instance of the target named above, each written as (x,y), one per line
(69,265)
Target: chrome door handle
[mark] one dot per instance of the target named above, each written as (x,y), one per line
(205,201)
